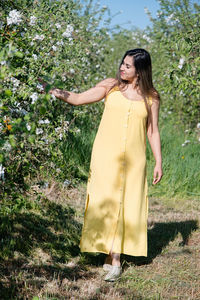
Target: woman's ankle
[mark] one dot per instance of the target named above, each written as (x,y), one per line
(116,259)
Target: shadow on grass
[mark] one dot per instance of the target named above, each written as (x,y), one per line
(161,235)
(47,237)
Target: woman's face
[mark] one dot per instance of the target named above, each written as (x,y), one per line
(127,69)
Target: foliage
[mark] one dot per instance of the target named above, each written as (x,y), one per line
(175,52)
(53,40)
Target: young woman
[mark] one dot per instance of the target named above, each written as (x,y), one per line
(116,208)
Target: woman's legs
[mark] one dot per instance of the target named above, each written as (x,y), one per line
(115,259)
(114,270)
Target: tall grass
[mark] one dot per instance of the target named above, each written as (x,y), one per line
(181,164)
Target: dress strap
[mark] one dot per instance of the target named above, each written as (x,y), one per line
(115,88)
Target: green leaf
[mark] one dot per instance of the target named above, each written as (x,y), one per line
(42,110)
(31,139)
(19,54)
(8,93)
(1,158)
(12,140)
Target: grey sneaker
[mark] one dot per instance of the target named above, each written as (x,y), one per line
(107,267)
(113,274)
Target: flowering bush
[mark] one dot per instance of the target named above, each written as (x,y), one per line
(61,42)
(175,52)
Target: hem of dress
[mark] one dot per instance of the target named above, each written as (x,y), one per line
(104,252)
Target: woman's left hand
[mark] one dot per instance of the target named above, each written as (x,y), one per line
(157,174)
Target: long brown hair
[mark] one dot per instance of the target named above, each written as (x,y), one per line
(143,66)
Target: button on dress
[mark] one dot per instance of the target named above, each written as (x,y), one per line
(116,206)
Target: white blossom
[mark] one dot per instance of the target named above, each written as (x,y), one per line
(181,62)
(72,71)
(57,129)
(68,32)
(32,20)
(34,97)
(58,26)
(44,121)
(15,82)
(34,56)
(28,127)
(38,37)
(60,43)
(54,48)
(3,62)
(7,146)
(2,173)
(198,125)
(14,17)
(39,131)
(66,182)
(40,87)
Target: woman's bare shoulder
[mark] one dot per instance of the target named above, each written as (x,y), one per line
(108,83)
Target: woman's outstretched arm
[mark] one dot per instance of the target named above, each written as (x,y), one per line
(154,141)
(94,94)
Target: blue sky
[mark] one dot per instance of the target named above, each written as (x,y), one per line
(133,11)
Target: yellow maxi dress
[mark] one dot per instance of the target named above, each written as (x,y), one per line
(116,207)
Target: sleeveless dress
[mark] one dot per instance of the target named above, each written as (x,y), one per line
(116,206)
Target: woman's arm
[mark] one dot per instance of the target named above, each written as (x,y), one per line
(94,94)
(154,141)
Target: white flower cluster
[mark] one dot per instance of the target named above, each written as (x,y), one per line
(2,172)
(35,56)
(14,17)
(32,20)
(38,37)
(44,121)
(15,83)
(61,130)
(28,126)
(54,48)
(58,26)
(60,43)
(181,62)
(68,32)
(198,125)
(7,146)
(147,38)
(34,98)
(39,131)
